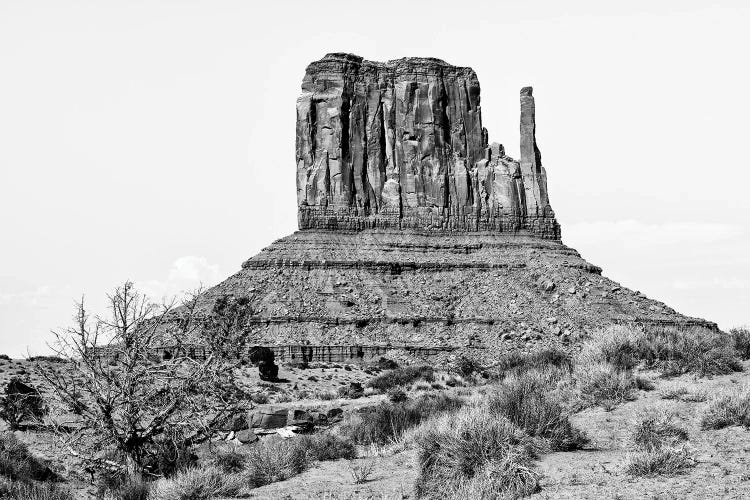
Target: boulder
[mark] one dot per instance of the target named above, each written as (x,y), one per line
(246,437)
(268,418)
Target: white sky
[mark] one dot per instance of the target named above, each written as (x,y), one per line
(154,140)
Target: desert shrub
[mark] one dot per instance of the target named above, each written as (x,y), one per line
(514,362)
(274,460)
(741,340)
(475,454)
(4,357)
(644,384)
(118,486)
(386,364)
(388,421)
(197,483)
(665,461)
(353,390)
(326,446)
(728,409)
(396,395)
(671,350)
(603,383)
(168,454)
(18,464)
(231,460)
(326,395)
(528,401)
(657,431)
(32,491)
(401,377)
(361,472)
(617,345)
(466,366)
(21,402)
(676,351)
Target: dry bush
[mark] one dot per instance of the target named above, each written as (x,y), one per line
(326,446)
(21,402)
(386,422)
(273,460)
(644,384)
(528,399)
(197,483)
(514,362)
(657,431)
(18,464)
(326,395)
(401,377)
(671,350)
(361,472)
(20,490)
(728,409)
(475,451)
(603,383)
(231,461)
(741,340)
(665,461)
(656,438)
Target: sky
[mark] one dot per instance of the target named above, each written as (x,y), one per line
(154,140)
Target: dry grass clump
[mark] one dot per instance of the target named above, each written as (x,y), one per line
(327,446)
(529,401)
(18,464)
(24,476)
(515,362)
(197,483)
(656,439)
(475,453)
(659,430)
(401,377)
(660,461)
(728,409)
(32,491)
(682,393)
(603,383)
(235,472)
(387,422)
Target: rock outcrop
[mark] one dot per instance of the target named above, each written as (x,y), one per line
(417,237)
(401,145)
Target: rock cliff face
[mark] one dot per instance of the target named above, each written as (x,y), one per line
(400,145)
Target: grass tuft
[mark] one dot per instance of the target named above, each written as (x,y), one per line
(728,409)
(475,454)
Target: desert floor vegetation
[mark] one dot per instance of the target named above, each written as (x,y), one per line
(471,430)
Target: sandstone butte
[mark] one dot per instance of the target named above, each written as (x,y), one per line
(417,236)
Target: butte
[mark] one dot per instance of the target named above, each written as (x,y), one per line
(417,236)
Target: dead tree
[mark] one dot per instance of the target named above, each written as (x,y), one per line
(125,397)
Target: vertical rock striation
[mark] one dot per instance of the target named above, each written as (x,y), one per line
(401,145)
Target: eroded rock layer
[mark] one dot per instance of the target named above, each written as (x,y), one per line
(401,145)
(486,292)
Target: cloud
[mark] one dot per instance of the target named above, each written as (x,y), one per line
(186,273)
